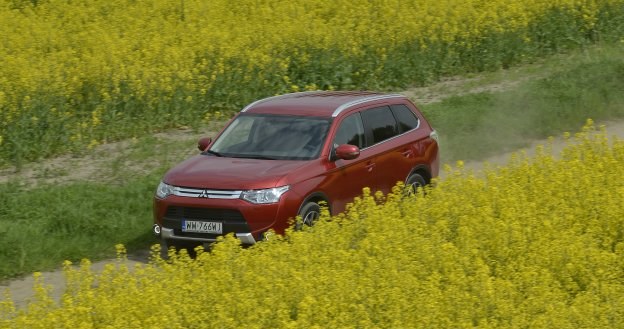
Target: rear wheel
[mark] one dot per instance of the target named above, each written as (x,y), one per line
(413,182)
(309,213)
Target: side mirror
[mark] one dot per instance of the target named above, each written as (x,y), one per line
(347,152)
(203,143)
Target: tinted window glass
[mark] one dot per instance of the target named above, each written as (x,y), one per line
(350,131)
(273,137)
(406,119)
(381,123)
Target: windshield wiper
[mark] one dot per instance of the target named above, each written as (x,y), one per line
(213,153)
(259,157)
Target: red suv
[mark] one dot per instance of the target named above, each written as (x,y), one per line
(282,156)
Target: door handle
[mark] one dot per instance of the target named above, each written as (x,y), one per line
(369,166)
(407,153)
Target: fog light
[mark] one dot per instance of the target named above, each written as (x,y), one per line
(156,229)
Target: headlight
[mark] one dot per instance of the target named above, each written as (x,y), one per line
(163,190)
(269,195)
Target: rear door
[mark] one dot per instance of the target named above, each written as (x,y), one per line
(391,136)
(380,128)
(410,144)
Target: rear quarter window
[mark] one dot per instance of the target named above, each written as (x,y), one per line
(406,119)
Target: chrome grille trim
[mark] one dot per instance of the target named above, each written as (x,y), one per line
(205,193)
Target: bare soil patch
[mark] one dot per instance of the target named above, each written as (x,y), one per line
(458,86)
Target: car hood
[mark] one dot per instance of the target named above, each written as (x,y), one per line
(205,171)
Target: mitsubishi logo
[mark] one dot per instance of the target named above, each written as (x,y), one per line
(203,194)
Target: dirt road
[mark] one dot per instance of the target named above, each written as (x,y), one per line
(94,166)
(614,129)
(21,289)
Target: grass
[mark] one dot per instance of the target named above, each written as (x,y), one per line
(61,213)
(42,225)
(587,85)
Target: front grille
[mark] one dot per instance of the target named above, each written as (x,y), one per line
(203,193)
(233,221)
(212,214)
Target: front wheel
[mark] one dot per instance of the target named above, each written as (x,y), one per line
(309,214)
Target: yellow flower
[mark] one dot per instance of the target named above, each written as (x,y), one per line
(92,144)
(499,249)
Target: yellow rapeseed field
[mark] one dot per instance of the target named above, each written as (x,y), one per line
(76,73)
(535,244)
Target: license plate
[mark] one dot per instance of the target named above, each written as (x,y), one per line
(197,226)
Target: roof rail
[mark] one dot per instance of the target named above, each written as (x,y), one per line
(364,100)
(276,97)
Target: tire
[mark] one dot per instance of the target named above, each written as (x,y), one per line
(413,182)
(309,213)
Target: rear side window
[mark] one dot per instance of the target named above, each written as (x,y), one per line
(406,119)
(380,123)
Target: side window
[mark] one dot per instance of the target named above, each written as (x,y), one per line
(380,122)
(350,131)
(406,119)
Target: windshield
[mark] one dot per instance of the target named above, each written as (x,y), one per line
(272,137)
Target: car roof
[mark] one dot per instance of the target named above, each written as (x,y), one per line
(315,103)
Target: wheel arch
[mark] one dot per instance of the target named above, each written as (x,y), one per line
(423,170)
(317,197)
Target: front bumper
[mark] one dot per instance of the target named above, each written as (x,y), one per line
(169,234)
(248,222)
